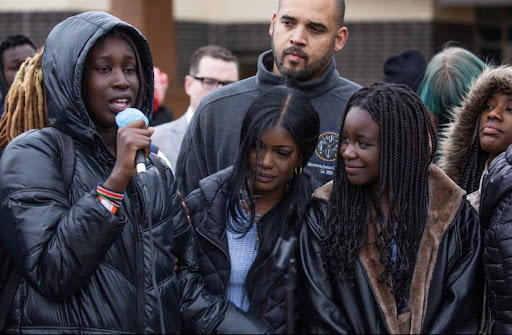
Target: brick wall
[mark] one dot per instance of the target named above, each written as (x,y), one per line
(35,25)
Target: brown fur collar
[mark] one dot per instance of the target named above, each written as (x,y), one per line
(444,201)
(324,192)
(459,135)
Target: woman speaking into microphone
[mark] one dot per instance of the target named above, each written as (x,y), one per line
(97,255)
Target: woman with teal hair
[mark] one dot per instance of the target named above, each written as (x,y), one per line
(447,79)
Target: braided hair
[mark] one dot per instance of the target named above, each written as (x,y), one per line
(407,146)
(474,165)
(24,103)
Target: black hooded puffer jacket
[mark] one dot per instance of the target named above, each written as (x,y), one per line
(85,270)
(496,217)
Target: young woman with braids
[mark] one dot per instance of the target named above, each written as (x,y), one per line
(481,130)
(240,212)
(391,245)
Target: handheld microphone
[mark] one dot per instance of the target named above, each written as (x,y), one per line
(126,117)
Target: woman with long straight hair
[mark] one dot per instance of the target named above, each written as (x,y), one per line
(240,213)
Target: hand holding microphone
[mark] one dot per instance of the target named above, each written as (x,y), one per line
(126,117)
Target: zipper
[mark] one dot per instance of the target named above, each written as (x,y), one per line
(139,247)
(139,251)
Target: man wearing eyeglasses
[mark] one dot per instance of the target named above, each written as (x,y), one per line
(211,67)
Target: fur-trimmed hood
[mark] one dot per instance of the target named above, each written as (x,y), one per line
(460,134)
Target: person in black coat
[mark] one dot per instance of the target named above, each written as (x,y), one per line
(99,256)
(391,245)
(496,218)
(240,213)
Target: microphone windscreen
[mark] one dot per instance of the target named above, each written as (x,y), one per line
(130,115)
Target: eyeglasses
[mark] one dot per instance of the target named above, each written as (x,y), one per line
(211,84)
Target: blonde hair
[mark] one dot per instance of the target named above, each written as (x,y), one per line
(24,103)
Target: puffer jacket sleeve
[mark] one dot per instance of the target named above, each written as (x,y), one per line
(202,312)
(322,315)
(56,245)
(496,216)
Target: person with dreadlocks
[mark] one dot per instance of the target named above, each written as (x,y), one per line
(391,244)
(481,130)
(25,106)
(97,255)
(13,52)
(240,213)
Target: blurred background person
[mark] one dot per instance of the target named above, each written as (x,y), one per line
(13,52)
(161,113)
(211,67)
(447,80)
(406,68)
(24,106)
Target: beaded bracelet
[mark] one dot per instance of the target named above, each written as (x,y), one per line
(109,205)
(110,199)
(111,195)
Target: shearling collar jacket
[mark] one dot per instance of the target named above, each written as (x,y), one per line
(447,286)
(461,133)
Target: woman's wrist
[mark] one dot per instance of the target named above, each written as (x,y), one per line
(116,183)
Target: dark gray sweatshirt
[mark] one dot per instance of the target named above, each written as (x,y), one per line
(213,136)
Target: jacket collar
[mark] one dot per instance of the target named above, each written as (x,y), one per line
(312,89)
(324,192)
(445,198)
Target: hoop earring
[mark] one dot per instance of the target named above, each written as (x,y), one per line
(298,170)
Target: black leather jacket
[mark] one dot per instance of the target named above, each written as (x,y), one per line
(496,217)
(85,270)
(208,210)
(447,288)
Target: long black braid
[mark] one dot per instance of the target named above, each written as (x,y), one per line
(474,165)
(407,146)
